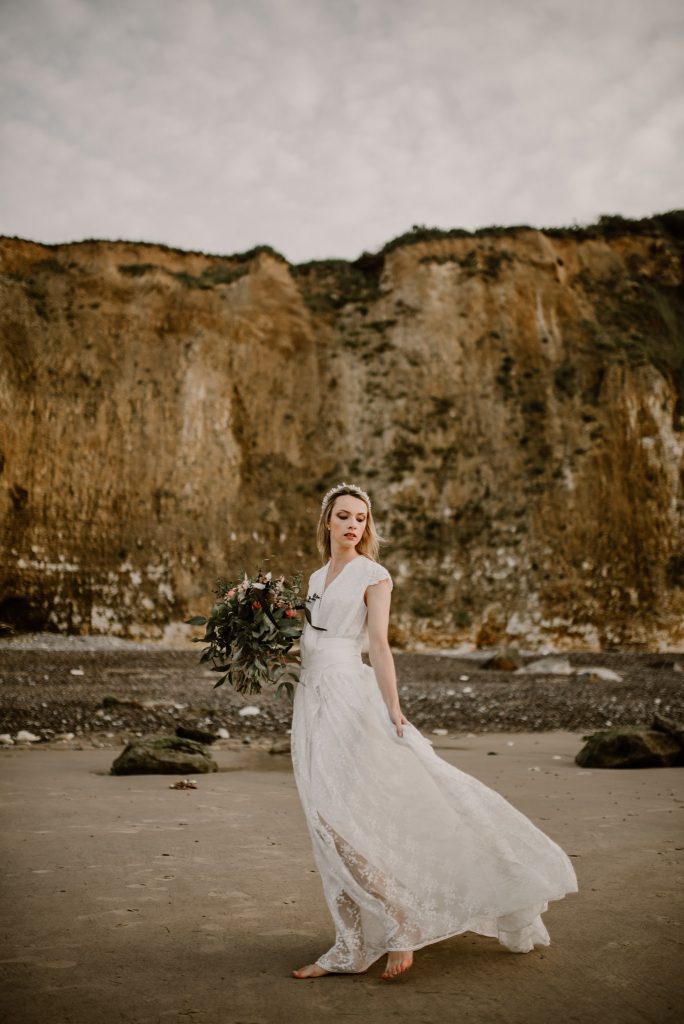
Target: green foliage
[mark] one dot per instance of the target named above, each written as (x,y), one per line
(422,233)
(611,225)
(469,263)
(211,276)
(490,266)
(672,223)
(494,261)
(218,273)
(330,285)
(237,257)
(607,226)
(257,250)
(251,630)
(637,322)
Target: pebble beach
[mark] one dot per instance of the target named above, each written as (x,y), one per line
(103,691)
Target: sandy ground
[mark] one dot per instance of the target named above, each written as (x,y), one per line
(126,901)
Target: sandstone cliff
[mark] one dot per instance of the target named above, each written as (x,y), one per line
(512,398)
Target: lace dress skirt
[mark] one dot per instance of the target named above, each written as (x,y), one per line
(410,849)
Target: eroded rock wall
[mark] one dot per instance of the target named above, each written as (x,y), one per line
(513,401)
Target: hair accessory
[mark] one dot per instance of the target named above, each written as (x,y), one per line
(342,487)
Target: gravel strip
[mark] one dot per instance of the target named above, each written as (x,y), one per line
(116,690)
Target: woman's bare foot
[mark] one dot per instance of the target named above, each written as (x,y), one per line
(310,971)
(397,963)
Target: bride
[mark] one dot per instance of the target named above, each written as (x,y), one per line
(410,849)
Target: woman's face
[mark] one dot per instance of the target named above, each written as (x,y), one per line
(348,519)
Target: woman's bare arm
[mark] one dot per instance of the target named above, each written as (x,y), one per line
(378,598)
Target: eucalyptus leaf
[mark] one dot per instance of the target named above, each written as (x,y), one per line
(307,613)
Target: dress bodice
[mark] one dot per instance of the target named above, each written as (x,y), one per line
(340,608)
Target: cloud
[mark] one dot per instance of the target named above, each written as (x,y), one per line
(323,127)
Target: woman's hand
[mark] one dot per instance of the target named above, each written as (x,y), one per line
(398,720)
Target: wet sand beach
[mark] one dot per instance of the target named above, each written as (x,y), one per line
(128,901)
(125,900)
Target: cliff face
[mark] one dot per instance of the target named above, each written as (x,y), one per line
(511,399)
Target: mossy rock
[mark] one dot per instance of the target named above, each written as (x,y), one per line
(281,746)
(670,726)
(164,755)
(626,747)
(191,732)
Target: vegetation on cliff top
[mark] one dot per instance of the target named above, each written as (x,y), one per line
(607,226)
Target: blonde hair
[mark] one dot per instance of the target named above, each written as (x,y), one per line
(370,542)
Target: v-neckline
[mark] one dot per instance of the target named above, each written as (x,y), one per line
(327,586)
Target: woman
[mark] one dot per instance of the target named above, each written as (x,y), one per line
(410,849)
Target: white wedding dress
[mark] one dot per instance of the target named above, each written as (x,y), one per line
(410,849)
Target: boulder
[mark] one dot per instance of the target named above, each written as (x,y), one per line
(630,747)
(598,674)
(164,755)
(281,746)
(673,666)
(506,661)
(192,732)
(547,666)
(670,726)
(109,702)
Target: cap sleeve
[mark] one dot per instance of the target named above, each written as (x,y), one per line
(313,582)
(376,573)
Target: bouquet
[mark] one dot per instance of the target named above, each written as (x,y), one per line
(252,629)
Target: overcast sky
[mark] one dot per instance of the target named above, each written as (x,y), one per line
(326,127)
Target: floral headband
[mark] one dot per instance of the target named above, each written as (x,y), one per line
(346,487)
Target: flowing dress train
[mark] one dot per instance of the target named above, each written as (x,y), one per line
(410,849)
